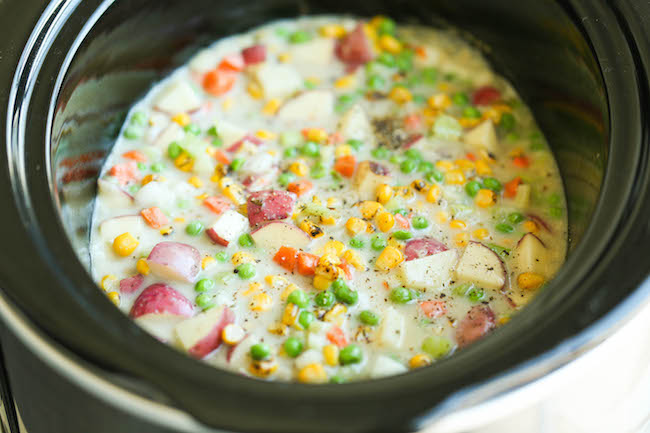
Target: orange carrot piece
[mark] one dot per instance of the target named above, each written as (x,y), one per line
(286,257)
(300,187)
(222,157)
(421,52)
(336,336)
(154,217)
(307,263)
(510,188)
(217,205)
(219,81)
(347,269)
(125,172)
(521,161)
(135,155)
(433,309)
(470,156)
(412,121)
(345,165)
(402,221)
(232,62)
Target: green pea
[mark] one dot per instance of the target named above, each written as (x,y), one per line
(204,285)
(434,176)
(375,82)
(221,256)
(139,119)
(419,99)
(345,101)
(286,178)
(372,67)
(404,60)
(344,294)
(237,164)
(386,59)
(318,171)
(501,251)
(504,228)
(515,217)
(291,139)
(386,26)
(325,299)
(447,127)
(194,228)
(337,380)
(377,243)
(299,298)
(350,354)
(367,317)
(402,212)
(395,159)
(355,144)
(260,351)
(133,189)
(338,283)
(192,129)
(462,290)
(554,199)
(217,142)
(204,301)
(212,131)
(436,346)
(310,85)
(157,167)
(476,294)
(292,347)
(246,240)
(429,75)
(408,166)
(300,37)
(133,132)
(282,32)
(472,112)
(357,243)
(419,222)
(493,184)
(425,167)
(380,153)
(290,152)
(555,212)
(461,99)
(413,154)
(402,235)
(472,188)
(310,148)
(142,166)
(508,122)
(306,318)
(174,150)
(401,295)
(246,271)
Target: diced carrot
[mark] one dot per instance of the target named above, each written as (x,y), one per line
(154,217)
(135,155)
(510,188)
(233,62)
(222,157)
(219,81)
(335,138)
(300,187)
(386,285)
(217,205)
(421,52)
(286,257)
(345,165)
(412,121)
(347,269)
(307,263)
(336,336)
(470,156)
(125,172)
(433,309)
(402,221)
(521,161)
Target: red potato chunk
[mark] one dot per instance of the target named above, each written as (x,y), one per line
(202,334)
(174,260)
(423,247)
(485,95)
(479,321)
(131,284)
(254,54)
(355,48)
(161,299)
(269,205)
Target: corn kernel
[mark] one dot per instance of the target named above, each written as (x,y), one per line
(332,31)
(241,257)
(385,221)
(290,289)
(455,177)
(342,150)
(311,229)
(147,179)
(530,280)
(299,168)
(392,242)
(419,185)
(278,328)
(482,168)
(465,164)
(355,259)
(261,302)
(276,281)
(252,288)
(235,194)
(271,107)
(331,354)
(333,202)
(345,82)
(179,220)
(263,368)
(390,44)
(109,282)
(328,221)
(316,134)
(290,314)
(485,198)
(337,311)
(384,193)
(503,320)
(469,122)
(530,226)
(442,216)
(434,193)
(125,244)
(114,297)
(404,192)
(420,360)
(255,90)
(445,166)
(206,262)
(457,224)
(227,104)
(461,239)
(232,334)
(443,87)
(389,258)
(480,234)
(195,182)
(183,119)
(202,197)
(321,283)
(142,267)
(312,373)
(284,57)
(400,95)
(184,162)
(265,134)
(355,226)
(328,266)
(439,101)
(369,209)
(166,231)
(335,248)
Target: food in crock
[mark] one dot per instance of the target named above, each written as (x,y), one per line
(328,199)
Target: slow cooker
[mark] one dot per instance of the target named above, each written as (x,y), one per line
(70,71)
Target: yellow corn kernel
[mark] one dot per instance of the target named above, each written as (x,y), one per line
(457,224)
(331,354)
(316,134)
(255,90)
(109,282)
(480,234)
(442,216)
(265,134)
(179,220)
(321,283)
(385,221)
(345,82)
(183,119)
(389,258)
(333,202)
(461,239)
(114,297)
(420,360)
(232,334)
(276,281)
(355,226)
(469,122)
(503,320)
(517,151)
(311,229)
(227,104)
(261,302)
(392,242)
(299,168)
(284,57)
(252,288)
(443,87)
(278,328)
(202,197)
(390,44)
(485,198)
(342,150)
(235,193)
(482,168)
(312,373)
(434,193)
(419,185)
(195,182)
(166,231)
(455,177)
(327,266)
(369,209)
(530,226)
(404,192)
(355,259)
(125,244)
(328,221)
(530,280)
(465,164)
(290,289)
(142,267)
(384,193)
(241,257)
(316,200)
(207,261)
(184,162)
(271,107)
(147,179)
(263,368)
(290,314)
(400,95)
(332,31)
(337,311)
(445,166)
(335,248)
(439,101)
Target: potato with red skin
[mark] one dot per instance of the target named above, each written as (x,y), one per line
(355,48)
(131,284)
(479,321)
(485,95)
(269,205)
(423,247)
(368,177)
(275,234)
(161,299)
(175,261)
(202,334)
(227,228)
(254,54)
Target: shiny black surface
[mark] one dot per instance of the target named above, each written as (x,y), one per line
(572,61)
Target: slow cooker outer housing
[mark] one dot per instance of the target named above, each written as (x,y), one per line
(589,95)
